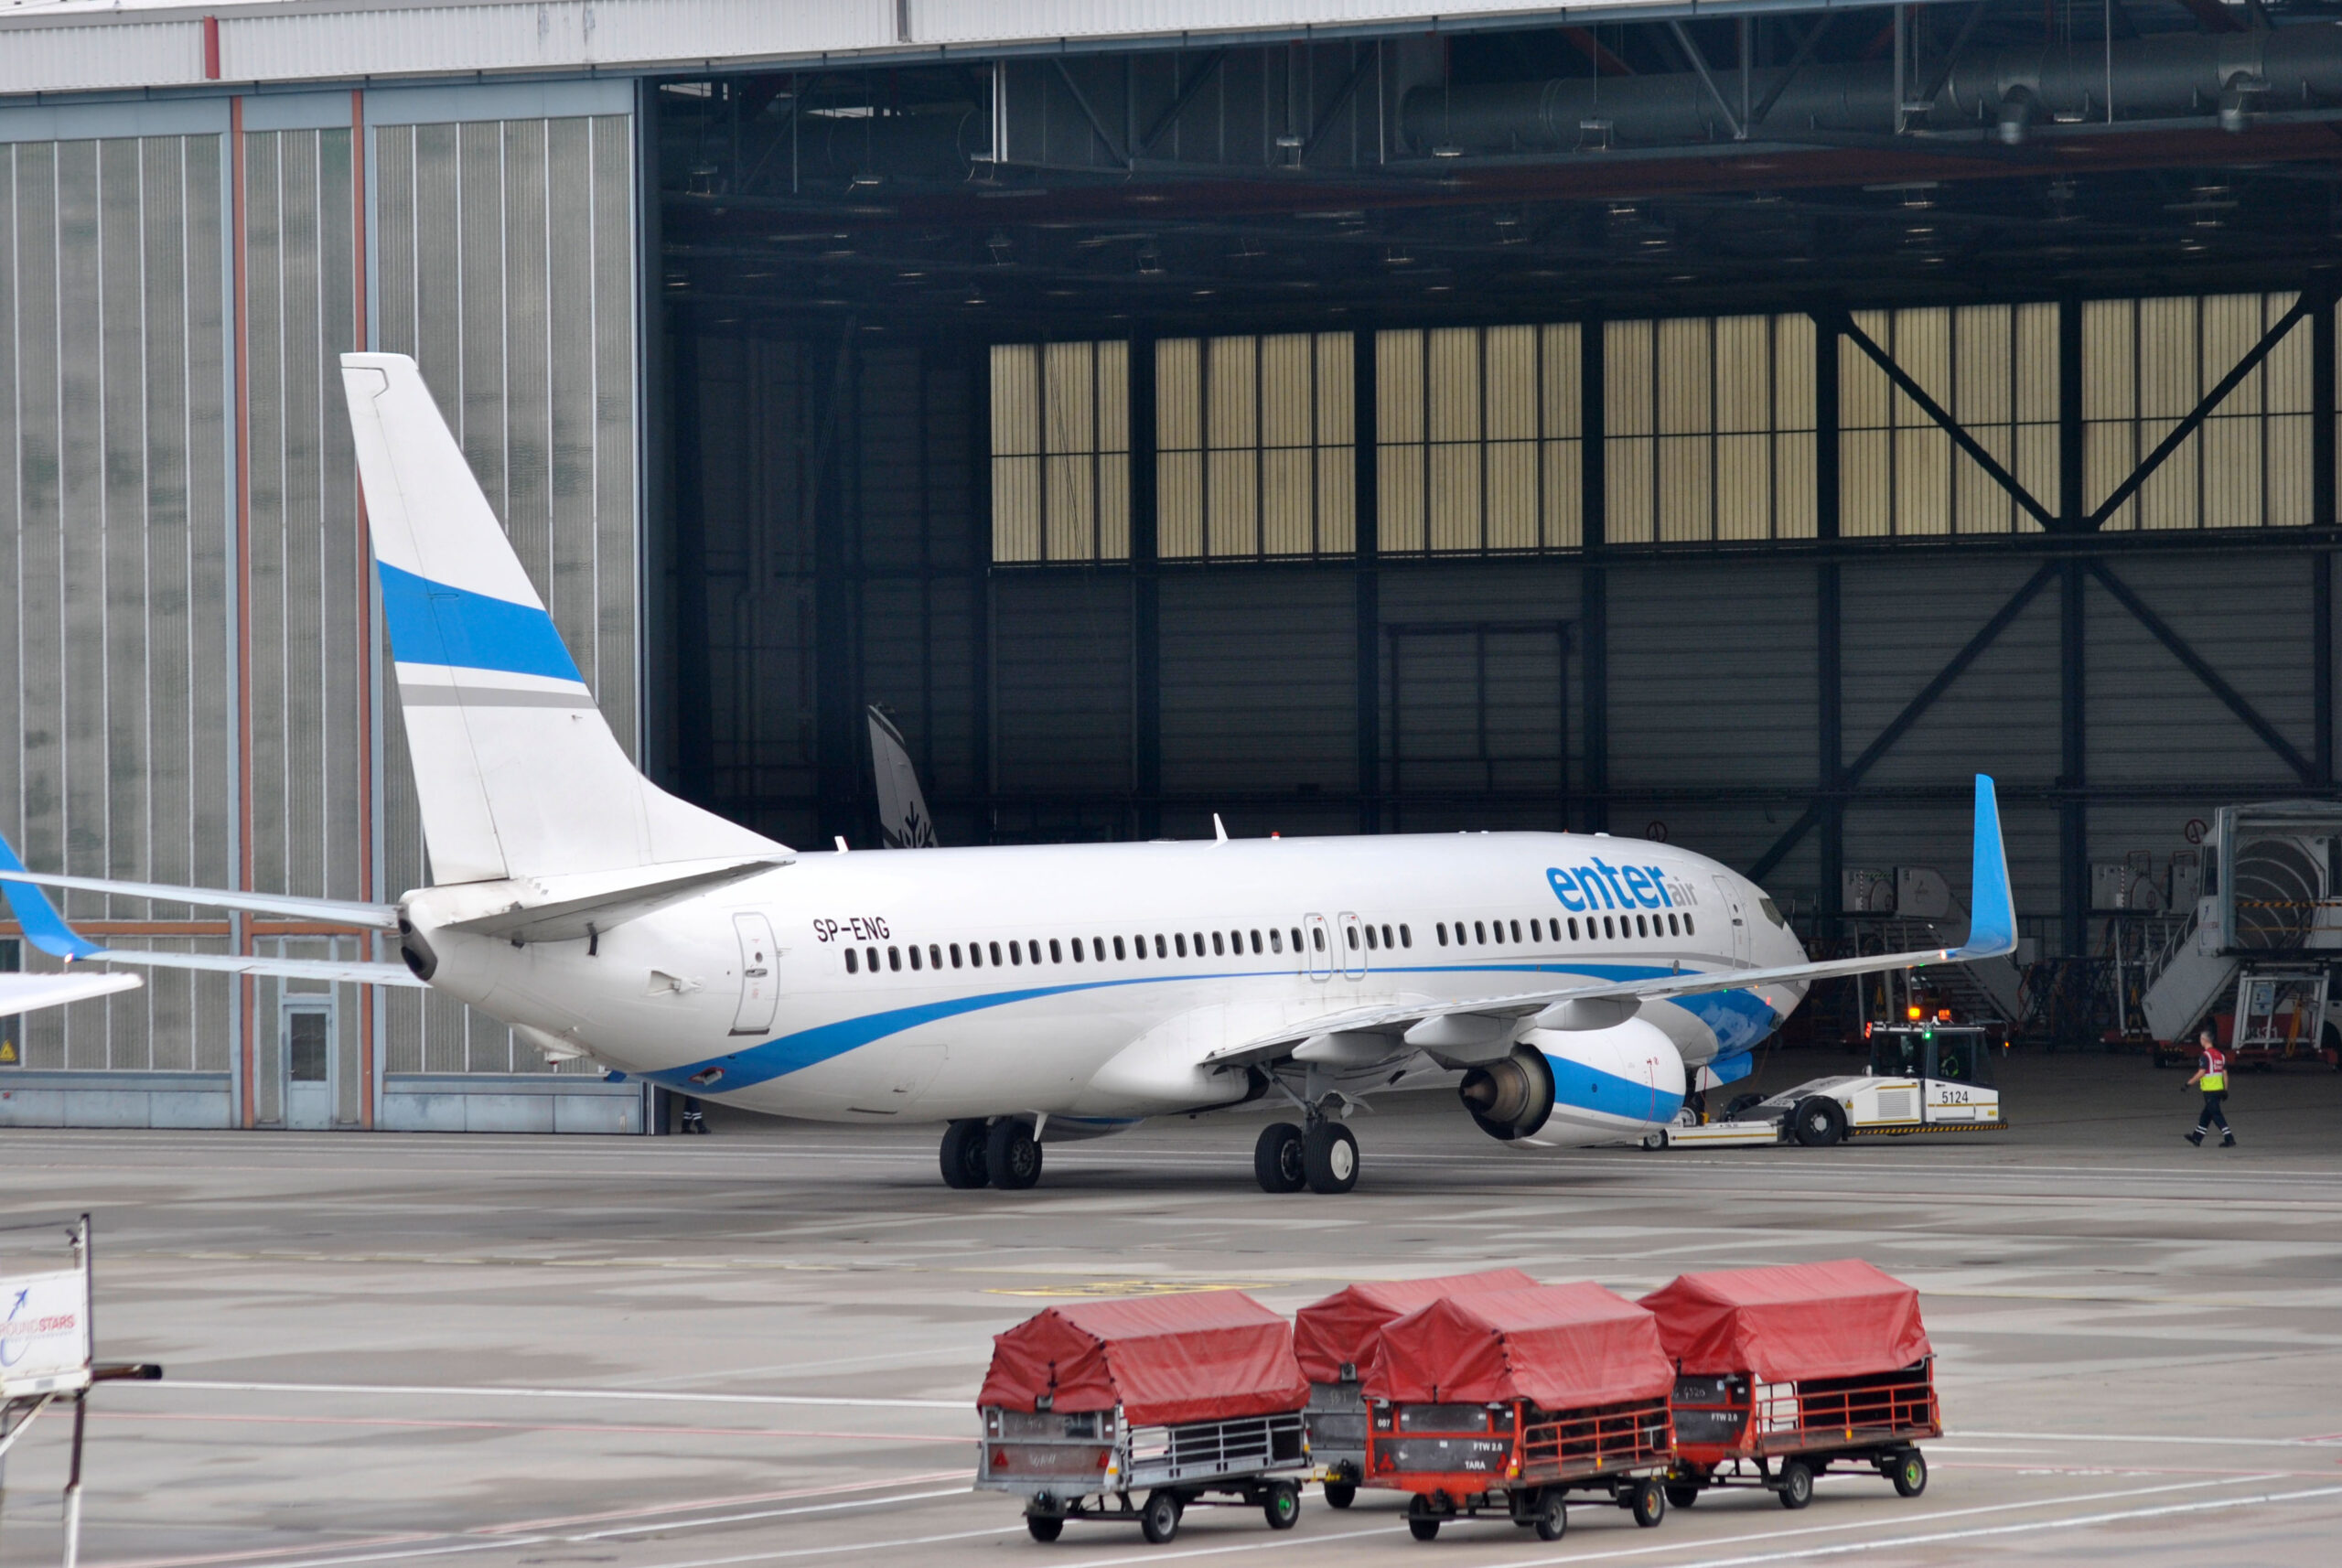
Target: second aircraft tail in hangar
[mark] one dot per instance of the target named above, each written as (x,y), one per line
(517,772)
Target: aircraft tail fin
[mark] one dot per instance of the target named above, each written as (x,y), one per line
(517,772)
(903,822)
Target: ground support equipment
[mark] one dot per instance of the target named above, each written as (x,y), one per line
(1334,1338)
(1783,1372)
(1732,1431)
(1093,1465)
(1129,1410)
(1515,1461)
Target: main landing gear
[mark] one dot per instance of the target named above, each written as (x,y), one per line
(1323,1159)
(1001,1153)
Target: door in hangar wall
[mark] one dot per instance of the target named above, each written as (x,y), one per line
(306,1026)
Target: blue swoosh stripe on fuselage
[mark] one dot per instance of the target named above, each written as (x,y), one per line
(1736,1011)
(435,623)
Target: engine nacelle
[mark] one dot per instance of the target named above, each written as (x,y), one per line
(1579,1085)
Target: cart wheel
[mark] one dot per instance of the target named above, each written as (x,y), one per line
(1159,1520)
(1552,1516)
(1682,1494)
(1910,1473)
(1012,1155)
(1796,1489)
(1276,1159)
(1819,1121)
(1651,1504)
(1340,1494)
(1281,1505)
(1329,1153)
(1044,1526)
(963,1156)
(1422,1529)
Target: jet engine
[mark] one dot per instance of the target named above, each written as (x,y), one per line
(1579,1085)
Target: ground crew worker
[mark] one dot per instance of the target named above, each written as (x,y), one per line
(2212,1077)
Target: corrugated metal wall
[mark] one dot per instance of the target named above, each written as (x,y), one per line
(114,543)
(504,254)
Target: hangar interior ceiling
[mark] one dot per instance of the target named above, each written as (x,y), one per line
(1741,428)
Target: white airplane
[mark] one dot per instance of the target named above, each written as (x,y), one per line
(1579,984)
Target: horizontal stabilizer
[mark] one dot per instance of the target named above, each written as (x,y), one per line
(353,972)
(332,911)
(570,909)
(30,992)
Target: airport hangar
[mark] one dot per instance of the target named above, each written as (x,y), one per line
(1734,422)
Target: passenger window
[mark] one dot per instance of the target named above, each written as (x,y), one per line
(1297,939)
(1386,936)
(1369,939)
(1179,940)
(915,957)
(995,955)
(1077,950)
(1200,944)
(1349,935)
(1672,929)
(1056,954)
(1536,932)
(1235,942)
(1162,949)
(1687,925)
(895,958)
(871,956)
(1609,928)
(1442,928)
(1406,938)
(853,964)
(1642,925)
(1119,954)
(1572,927)
(1256,942)
(955,955)
(1318,938)
(1219,948)
(1479,933)
(1277,940)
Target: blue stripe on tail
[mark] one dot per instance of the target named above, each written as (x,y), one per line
(44,927)
(435,623)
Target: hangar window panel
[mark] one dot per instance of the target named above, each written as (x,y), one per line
(1060,451)
(1994,367)
(1709,429)
(1253,447)
(2147,363)
(1476,439)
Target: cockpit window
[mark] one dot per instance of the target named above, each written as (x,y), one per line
(1772,911)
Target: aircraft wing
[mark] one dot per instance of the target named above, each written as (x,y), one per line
(47,930)
(30,992)
(1487,1025)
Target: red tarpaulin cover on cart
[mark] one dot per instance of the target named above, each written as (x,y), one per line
(1165,1360)
(1340,1329)
(1839,1319)
(1560,1347)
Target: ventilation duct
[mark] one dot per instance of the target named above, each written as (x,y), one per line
(2222,79)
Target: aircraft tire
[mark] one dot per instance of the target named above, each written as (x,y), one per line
(1329,1153)
(1820,1121)
(1012,1155)
(963,1156)
(1277,1162)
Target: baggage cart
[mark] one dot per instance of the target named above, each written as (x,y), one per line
(1505,1402)
(1129,1411)
(1334,1340)
(1785,1373)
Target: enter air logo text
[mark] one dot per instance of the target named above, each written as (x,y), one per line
(1601,887)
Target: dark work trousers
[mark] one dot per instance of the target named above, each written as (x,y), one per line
(2212,1114)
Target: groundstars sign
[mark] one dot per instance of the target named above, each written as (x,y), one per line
(45,1340)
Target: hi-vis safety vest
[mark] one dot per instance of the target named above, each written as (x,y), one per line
(2215,1074)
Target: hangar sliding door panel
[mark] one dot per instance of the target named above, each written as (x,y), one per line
(115,539)
(1061,666)
(1259,695)
(504,263)
(1711,675)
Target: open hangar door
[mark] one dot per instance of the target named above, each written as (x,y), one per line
(1739,429)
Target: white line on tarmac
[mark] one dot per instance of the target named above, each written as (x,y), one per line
(762,1513)
(2030,1527)
(833,1551)
(2192,1441)
(1768,1535)
(493,1390)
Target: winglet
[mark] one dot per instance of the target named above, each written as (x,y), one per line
(44,927)
(1991,920)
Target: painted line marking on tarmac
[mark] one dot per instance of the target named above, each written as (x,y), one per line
(745,1499)
(2142,1438)
(766,1513)
(434,1424)
(839,1550)
(494,1390)
(2029,1527)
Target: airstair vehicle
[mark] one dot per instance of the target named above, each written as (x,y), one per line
(2266,935)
